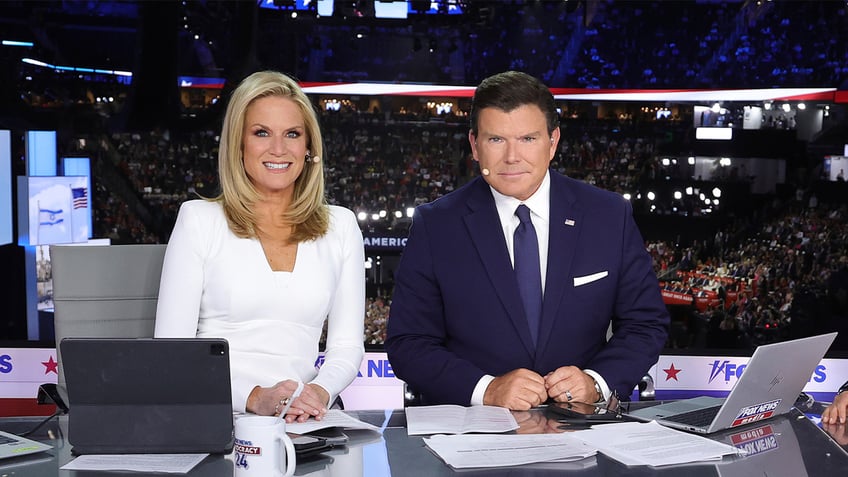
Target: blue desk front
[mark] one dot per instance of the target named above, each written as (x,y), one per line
(790,445)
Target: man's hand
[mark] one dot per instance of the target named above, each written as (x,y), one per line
(836,412)
(535,422)
(571,381)
(518,390)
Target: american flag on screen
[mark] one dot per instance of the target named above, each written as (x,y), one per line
(80,197)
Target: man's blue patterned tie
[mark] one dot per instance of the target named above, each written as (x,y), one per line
(527,272)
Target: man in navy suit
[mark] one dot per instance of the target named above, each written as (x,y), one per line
(458,330)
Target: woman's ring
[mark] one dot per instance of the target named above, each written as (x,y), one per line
(568,396)
(284,401)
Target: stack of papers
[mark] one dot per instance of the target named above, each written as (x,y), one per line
(163,463)
(452,419)
(467,451)
(631,443)
(333,418)
(636,443)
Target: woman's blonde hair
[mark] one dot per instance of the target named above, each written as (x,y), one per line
(308,212)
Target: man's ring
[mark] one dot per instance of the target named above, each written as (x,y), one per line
(568,396)
(284,401)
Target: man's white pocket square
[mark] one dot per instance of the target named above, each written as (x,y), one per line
(589,278)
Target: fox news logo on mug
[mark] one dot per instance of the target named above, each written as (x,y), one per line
(243,450)
(755,413)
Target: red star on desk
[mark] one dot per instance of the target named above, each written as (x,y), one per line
(50,366)
(671,373)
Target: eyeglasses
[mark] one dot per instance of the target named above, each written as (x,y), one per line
(587,414)
(616,407)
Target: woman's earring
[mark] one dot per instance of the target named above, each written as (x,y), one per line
(309,158)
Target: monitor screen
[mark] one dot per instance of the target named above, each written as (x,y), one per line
(53,209)
(834,168)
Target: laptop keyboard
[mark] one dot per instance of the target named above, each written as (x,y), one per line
(698,417)
(7,440)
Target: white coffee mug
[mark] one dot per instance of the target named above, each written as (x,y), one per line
(262,447)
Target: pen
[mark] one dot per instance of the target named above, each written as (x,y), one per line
(291,399)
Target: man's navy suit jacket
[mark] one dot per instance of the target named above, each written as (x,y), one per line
(456,313)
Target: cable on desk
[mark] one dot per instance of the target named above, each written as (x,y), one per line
(41,424)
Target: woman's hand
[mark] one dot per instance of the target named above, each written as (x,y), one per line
(839,432)
(836,413)
(271,401)
(312,402)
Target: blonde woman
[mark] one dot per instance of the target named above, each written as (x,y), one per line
(266,262)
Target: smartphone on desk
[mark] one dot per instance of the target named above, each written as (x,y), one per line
(333,435)
(306,445)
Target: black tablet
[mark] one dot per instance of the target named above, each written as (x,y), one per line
(146,395)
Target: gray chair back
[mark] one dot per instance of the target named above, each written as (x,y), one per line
(107,291)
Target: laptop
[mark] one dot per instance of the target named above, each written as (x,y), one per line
(774,378)
(16,446)
(148,395)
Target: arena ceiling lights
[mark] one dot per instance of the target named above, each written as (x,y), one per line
(677,95)
(773,94)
